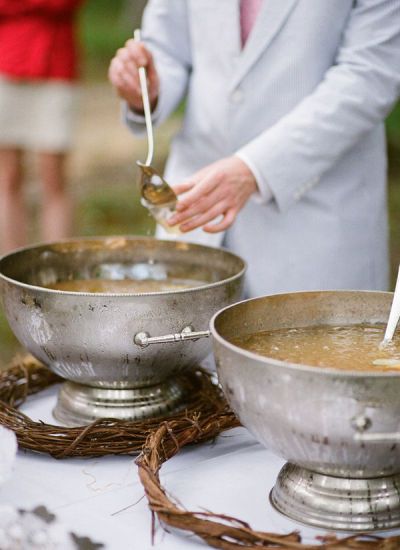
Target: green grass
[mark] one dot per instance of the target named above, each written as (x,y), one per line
(104,26)
(113,211)
(393,131)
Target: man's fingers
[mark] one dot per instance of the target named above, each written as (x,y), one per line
(204,204)
(196,191)
(124,74)
(201,219)
(118,82)
(115,69)
(218,190)
(226,222)
(183,187)
(195,179)
(138,52)
(126,86)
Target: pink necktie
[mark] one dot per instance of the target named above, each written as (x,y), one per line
(248,13)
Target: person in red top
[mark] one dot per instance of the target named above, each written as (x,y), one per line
(38,73)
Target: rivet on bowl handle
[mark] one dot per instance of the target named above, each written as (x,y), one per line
(143,339)
(362,423)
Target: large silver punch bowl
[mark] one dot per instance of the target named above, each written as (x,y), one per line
(99,342)
(338,430)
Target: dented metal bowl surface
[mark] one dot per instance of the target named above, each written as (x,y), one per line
(89,338)
(337,429)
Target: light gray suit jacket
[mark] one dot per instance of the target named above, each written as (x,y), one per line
(304,103)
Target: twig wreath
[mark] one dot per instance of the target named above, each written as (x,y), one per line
(159,440)
(219,530)
(102,437)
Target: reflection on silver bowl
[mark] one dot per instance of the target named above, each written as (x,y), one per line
(338,475)
(89,338)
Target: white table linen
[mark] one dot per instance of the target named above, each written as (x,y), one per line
(103,498)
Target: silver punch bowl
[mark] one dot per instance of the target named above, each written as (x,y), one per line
(101,342)
(338,430)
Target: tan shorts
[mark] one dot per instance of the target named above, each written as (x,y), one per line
(37,116)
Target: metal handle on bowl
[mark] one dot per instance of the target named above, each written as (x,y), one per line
(362,423)
(143,339)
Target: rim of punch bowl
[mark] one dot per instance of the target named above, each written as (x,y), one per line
(298,366)
(115,294)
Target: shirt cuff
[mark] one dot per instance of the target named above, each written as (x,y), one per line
(264,193)
(138,118)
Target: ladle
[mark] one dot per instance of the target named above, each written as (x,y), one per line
(394,314)
(158,196)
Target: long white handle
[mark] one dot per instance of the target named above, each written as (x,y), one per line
(146,106)
(394,312)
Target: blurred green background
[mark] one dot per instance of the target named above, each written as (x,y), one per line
(102,173)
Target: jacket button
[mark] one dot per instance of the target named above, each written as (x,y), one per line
(237,96)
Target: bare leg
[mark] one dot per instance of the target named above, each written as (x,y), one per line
(13,213)
(56,220)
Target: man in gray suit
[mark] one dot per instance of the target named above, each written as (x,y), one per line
(281,156)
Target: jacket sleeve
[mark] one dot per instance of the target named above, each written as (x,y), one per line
(355,95)
(165,33)
(18,7)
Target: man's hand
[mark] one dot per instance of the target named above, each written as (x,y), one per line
(220,189)
(124,74)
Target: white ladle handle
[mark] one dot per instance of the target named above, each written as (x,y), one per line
(146,107)
(394,312)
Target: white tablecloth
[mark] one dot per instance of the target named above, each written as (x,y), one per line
(102,498)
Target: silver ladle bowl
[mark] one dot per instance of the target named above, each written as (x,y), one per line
(154,189)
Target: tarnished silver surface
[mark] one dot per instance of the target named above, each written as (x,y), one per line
(341,503)
(306,414)
(78,404)
(143,339)
(88,338)
(361,424)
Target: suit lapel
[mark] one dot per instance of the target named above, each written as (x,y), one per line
(272,16)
